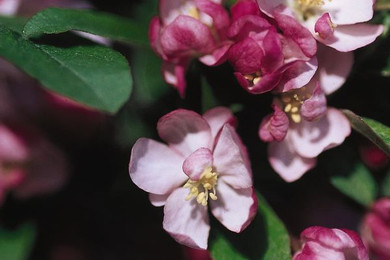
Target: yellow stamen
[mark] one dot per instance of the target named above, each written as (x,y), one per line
(308,8)
(194,12)
(203,188)
(296,118)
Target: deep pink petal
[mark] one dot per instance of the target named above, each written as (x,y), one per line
(332,238)
(155,168)
(186,221)
(297,74)
(333,68)
(217,118)
(286,162)
(248,25)
(244,7)
(351,37)
(185,131)
(174,74)
(312,138)
(154,35)
(234,208)
(273,53)
(268,6)
(169,10)
(349,11)
(267,83)
(217,12)
(186,37)
(218,56)
(361,250)
(324,26)
(314,107)
(246,56)
(293,29)
(316,251)
(195,164)
(274,127)
(231,159)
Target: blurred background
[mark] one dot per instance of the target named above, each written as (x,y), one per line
(68,194)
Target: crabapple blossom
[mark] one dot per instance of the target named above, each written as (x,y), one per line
(29,164)
(9,7)
(335,23)
(185,30)
(203,163)
(320,243)
(375,229)
(269,54)
(300,128)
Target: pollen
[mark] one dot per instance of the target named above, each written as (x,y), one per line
(253,78)
(193,12)
(308,8)
(204,188)
(292,102)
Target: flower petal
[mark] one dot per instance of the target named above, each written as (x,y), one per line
(311,138)
(286,162)
(234,208)
(155,168)
(275,126)
(185,131)
(333,68)
(186,37)
(195,164)
(349,11)
(231,159)
(158,200)
(186,221)
(246,56)
(314,107)
(217,118)
(351,37)
(174,74)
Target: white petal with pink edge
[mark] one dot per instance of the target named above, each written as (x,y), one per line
(186,221)
(286,162)
(155,168)
(185,131)
(311,138)
(234,208)
(231,159)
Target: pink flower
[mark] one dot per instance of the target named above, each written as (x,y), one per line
(335,244)
(9,7)
(270,54)
(300,128)
(185,30)
(375,229)
(338,24)
(29,164)
(203,163)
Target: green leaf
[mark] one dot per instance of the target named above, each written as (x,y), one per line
(149,84)
(386,185)
(208,99)
(265,238)
(378,133)
(16,244)
(57,20)
(93,75)
(14,23)
(357,184)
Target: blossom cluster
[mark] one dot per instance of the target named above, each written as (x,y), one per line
(299,51)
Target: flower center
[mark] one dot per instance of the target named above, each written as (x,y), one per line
(253,78)
(308,8)
(203,188)
(193,12)
(292,102)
